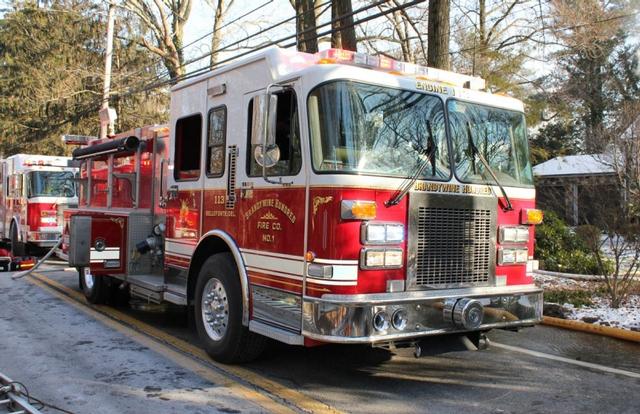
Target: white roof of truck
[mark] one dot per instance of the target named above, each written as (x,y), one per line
(285,63)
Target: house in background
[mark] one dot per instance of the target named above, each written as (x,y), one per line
(576,187)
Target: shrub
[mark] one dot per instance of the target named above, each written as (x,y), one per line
(559,248)
(577,298)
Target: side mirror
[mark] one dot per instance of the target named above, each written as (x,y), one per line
(17,181)
(263,133)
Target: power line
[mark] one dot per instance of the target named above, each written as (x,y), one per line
(183,48)
(165,72)
(564,28)
(198,72)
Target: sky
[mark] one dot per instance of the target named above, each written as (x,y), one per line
(201,21)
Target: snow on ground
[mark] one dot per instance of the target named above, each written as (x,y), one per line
(626,317)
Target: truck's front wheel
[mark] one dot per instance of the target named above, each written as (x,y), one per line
(218,313)
(17,247)
(93,287)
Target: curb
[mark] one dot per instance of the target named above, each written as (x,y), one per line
(586,278)
(591,328)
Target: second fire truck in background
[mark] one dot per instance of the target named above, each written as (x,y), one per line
(34,191)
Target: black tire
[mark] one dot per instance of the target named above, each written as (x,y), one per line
(117,294)
(95,288)
(236,344)
(17,247)
(38,251)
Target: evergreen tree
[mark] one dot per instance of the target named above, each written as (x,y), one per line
(51,75)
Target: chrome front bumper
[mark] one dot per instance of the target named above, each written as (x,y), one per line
(44,238)
(349,318)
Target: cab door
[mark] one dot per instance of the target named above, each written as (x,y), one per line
(184,190)
(272,207)
(220,207)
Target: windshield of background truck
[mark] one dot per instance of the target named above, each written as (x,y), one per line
(51,184)
(366,129)
(498,134)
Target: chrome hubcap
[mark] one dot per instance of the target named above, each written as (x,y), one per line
(215,309)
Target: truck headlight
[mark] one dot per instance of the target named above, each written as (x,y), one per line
(380,258)
(507,256)
(382,233)
(514,234)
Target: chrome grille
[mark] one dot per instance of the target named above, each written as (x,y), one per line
(453,247)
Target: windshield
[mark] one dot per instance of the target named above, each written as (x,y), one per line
(367,129)
(498,134)
(51,184)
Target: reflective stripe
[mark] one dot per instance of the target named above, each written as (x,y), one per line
(109,253)
(180,249)
(274,264)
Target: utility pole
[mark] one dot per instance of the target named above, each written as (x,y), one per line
(108,115)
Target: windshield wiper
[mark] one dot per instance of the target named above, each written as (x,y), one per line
(475,152)
(430,152)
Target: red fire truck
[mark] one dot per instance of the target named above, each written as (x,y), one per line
(34,191)
(317,198)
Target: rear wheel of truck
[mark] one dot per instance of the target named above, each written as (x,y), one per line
(218,313)
(93,287)
(17,247)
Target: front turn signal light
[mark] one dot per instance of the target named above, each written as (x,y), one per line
(358,210)
(531,216)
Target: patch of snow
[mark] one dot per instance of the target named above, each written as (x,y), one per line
(574,165)
(626,316)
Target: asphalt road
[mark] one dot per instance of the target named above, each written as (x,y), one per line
(85,362)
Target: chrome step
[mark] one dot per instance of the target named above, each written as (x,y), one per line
(279,334)
(154,289)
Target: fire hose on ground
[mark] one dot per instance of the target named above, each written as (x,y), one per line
(44,258)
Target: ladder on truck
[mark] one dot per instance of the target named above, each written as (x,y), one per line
(12,398)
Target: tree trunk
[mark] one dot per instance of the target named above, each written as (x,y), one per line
(216,37)
(344,33)
(480,48)
(438,40)
(306,37)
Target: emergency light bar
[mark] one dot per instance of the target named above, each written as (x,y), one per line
(384,63)
(58,162)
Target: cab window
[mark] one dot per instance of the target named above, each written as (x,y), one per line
(216,138)
(287,138)
(188,148)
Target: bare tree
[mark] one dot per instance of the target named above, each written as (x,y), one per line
(221,8)
(438,36)
(400,34)
(343,35)
(573,23)
(495,38)
(614,236)
(165,20)
(588,33)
